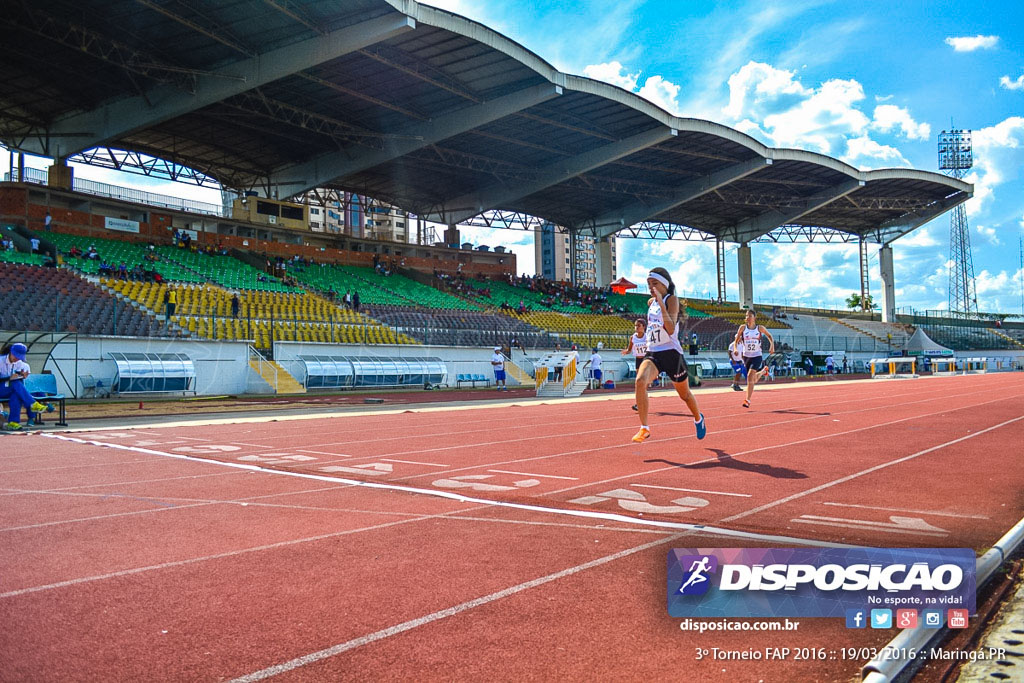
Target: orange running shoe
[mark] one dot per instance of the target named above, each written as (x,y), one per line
(642,435)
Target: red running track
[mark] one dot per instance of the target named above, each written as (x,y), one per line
(122,562)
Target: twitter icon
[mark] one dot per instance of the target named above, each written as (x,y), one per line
(881,618)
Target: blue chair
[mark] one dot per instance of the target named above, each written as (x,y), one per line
(44,388)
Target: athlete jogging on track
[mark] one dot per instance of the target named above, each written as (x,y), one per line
(637,344)
(664,354)
(748,338)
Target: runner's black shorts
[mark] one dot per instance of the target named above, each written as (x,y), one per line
(639,361)
(671,362)
(755,363)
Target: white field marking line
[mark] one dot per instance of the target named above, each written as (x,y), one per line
(888,530)
(587,514)
(855,475)
(194,560)
(336,455)
(542,476)
(249,445)
(781,445)
(918,512)
(673,438)
(74,467)
(592,527)
(627,417)
(610,429)
(129,483)
(326,653)
(672,488)
(410,462)
(446,407)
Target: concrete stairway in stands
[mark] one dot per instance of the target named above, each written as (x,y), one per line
(282,382)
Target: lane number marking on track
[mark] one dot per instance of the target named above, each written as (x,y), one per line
(277,458)
(635,501)
(475,482)
(373,469)
(895,525)
(206,449)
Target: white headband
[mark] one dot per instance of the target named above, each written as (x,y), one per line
(660,278)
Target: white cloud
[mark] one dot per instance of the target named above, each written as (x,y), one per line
(662,92)
(756,84)
(656,89)
(881,98)
(889,117)
(1017,84)
(865,153)
(988,233)
(998,157)
(972,43)
(614,73)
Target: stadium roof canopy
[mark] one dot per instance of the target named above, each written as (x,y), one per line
(416,106)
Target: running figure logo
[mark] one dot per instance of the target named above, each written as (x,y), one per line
(696,581)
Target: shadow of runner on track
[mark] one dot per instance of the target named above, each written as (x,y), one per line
(797,412)
(726,460)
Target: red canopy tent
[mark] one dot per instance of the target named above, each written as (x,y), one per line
(621,285)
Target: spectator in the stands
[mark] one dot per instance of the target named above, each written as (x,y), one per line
(92,255)
(236,305)
(48,222)
(347,299)
(170,303)
(75,252)
(35,245)
(122,271)
(355,301)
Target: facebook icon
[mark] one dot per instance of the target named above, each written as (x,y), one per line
(856,618)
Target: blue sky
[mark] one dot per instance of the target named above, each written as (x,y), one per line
(871,83)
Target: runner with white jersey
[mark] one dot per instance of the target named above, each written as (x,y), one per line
(736,361)
(637,344)
(748,338)
(664,354)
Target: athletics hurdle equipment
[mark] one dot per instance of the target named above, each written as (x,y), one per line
(943,366)
(901,367)
(975,366)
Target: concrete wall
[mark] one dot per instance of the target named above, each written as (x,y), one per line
(221,367)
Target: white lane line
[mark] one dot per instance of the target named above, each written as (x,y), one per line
(957,515)
(193,560)
(336,455)
(335,650)
(745,428)
(588,514)
(672,488)
(543,476)
(125,483)
(412,462)
(774,446)
(855,475)
(888,530)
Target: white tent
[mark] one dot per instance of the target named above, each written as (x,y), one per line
(920,344)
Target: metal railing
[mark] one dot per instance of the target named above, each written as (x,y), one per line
(263,364)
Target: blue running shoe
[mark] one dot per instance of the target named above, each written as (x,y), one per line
(702,429)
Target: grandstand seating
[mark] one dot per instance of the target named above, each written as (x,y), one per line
(264,316)
(463,328)
(502,292)
(115,252)
(21,257)
(583,328)
(376,289)
(963,338)
(733,314)
(52,299)
(225,271)
(815,333)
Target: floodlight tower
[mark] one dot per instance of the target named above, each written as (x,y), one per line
(956,158)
